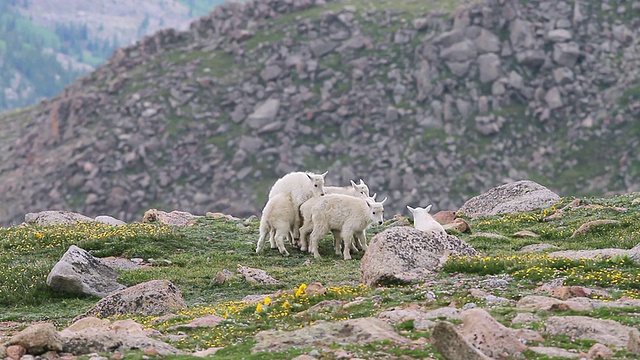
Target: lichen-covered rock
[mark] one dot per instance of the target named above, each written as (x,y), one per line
(54,217)
(78,272)
(400,250)
(514,197)
(488,335)
(608,332)
(452,345)
(360,331)
(156,297)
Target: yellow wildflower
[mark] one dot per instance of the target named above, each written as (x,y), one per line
(259,308)
(301,290)
(267,300)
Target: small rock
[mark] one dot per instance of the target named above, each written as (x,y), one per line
(584,228)
(537,247)
(222,277)
(256,276)
(599,351)
(526,233)
(567,292)
(15,352)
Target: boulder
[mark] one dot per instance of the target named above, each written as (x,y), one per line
(55,218)
(608,332)
(92,335)
(521,34)
(264,113)
(401,250)
(156,297)
(566,54)
(452,345)
(105,219)
(487,42)
(553,98)
(360,331)
(536,302)
(489,67)
(513,197)
(37,339)
(559,35)
(488,335)
(78,272)
(461,51)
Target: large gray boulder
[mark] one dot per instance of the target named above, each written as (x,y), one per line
(155,297)
(402,253)
(514,197)
(78,272)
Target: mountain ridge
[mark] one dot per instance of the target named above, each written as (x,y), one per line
(425,107)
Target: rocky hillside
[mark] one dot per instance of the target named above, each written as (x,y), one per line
(47,45)
(427,102)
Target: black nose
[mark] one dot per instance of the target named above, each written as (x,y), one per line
(379,222)
(322,194)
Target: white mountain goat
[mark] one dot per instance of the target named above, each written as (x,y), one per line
(360,190)
(346,216)
(277,223)
(423,221)
(300,186)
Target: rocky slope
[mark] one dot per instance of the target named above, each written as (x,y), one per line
(426,104)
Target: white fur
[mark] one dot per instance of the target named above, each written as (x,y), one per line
(300,186)
(423,221)
(346,216)
(277,222)
(359,190)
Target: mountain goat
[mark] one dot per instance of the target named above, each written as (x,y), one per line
(299,186)
(360,190)
(423,221)
(346,216)
(277,223)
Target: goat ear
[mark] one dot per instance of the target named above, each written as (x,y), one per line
(324,173)
(383,200)
(361,182)
(352,183)
(374,196)
(411,210)
(428,208)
